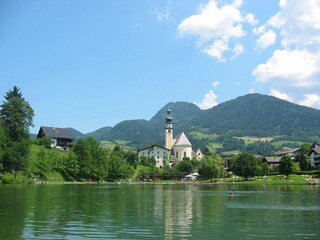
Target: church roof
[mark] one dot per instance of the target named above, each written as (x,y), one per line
(182,140)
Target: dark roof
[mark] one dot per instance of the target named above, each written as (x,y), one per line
(272,159)
(153,146)
(316,150)
(54,132)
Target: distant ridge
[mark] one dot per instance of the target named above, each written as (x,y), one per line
(249,115)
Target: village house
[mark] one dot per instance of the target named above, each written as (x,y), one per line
(61,138)
(272,162)
(289,152)
(315,155)
(159,153)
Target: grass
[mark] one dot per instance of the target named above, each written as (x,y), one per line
(110,145)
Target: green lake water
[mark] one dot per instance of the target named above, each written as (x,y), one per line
(159,212)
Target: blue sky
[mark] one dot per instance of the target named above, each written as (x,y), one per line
(90,64)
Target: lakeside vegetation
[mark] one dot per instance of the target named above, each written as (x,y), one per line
(23,160)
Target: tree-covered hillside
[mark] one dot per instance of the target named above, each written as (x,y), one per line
(259,115)
(249,115)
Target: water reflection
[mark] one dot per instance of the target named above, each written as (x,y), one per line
(159,211)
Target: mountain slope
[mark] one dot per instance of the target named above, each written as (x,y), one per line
(76,134)
(100,133)
(249,115)
(258,115)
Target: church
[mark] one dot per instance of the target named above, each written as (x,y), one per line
(174,150)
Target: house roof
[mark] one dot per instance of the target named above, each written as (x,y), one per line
(182,140)
(316,149)
(152,147)
(272,159)
(55,132)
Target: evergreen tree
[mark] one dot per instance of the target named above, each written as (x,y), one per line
(3,141)
(16,115)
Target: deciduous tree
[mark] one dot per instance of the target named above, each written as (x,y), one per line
(210,167)
(245,165)
(185,166)
(286,165)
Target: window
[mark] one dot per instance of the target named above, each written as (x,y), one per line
(185,154)
(177,155)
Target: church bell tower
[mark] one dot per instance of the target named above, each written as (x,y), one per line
(168,131)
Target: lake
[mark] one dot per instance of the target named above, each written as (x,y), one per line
(147,211)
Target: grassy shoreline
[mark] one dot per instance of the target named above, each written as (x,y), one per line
(293,179)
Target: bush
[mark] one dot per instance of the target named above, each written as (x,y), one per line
(7,178)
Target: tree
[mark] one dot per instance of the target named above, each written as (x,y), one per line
(92,159)
(82,150)
(185,166)
(210,167)
(3,140)
(44,163)
(43,141)
(286,165)
(301,159)
(16,115)
(245,165)
(262,168)
(305,148)
(118,168)
(131,158)
(147,161)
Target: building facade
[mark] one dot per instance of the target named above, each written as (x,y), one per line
(159,153)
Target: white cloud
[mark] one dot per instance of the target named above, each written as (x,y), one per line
(267,39)
(210,99)
(215,84)
(163,14)
(237,50)
(280,95)
(311,100)
(217,50)
(297,68)
(296,65)
(250,18)
(215,26)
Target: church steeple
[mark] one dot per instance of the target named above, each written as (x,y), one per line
(168,131)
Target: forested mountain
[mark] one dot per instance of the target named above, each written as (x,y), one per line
(249,115)
(100,133)
(259,115)
(76,134)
